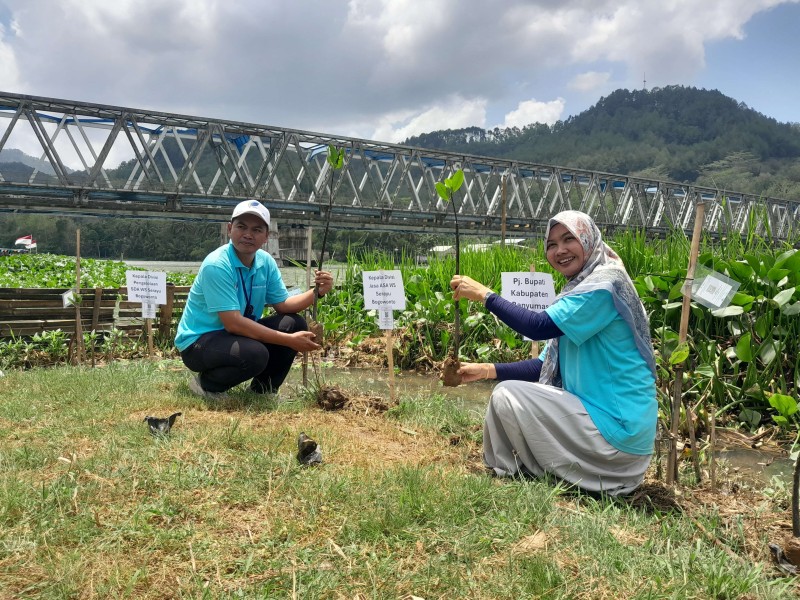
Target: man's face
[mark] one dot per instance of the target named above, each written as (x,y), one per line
(248,233)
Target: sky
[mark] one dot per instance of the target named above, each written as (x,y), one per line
(389,69)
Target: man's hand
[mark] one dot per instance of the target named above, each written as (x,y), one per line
(303,341)
(466,287)
(324,280)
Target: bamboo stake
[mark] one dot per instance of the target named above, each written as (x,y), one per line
(712,412)
(309,241)
(503,218)
(534,343)
(390,356)
(672,464)
(78,347)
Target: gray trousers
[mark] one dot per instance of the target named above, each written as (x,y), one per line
(533,429)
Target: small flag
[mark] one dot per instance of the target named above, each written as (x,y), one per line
(24,240)
(31,245)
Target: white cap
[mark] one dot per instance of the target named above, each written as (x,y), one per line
(251,207)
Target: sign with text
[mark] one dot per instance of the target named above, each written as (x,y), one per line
(147,287)
(533,291)
(383,290)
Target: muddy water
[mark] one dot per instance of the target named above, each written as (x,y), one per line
(757,466)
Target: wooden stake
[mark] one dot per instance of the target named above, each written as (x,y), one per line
(534,343)
(503,217)
(672,463)
(712,417)
(309,240)
(78,346)
(390,356)
(148,324)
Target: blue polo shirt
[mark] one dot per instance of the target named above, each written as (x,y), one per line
(602,366)
(223,283)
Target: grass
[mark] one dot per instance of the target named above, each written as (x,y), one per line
(93,506)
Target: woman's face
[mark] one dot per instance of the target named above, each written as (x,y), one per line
(564,251)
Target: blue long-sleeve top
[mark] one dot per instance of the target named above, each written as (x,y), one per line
(534,325)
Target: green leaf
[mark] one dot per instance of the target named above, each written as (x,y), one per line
(744,348)
(784,296)
(768,353)
(740,270)
(782,421)
(680,354)
(455,180)
(705,371)
(791,309)
(775,274)
(786,405)
(335,156)
(749,417)
(728,311)
(743,300)
(443,191)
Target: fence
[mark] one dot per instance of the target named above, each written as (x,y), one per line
(25,312)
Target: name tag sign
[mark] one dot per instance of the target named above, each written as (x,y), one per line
(534,291)
(384,292)
(711,289)
(149,310)
(147,287)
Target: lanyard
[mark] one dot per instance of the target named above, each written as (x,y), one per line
(248,310)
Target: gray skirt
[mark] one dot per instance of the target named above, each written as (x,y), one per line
(533,429)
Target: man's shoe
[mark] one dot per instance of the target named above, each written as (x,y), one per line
(197,389)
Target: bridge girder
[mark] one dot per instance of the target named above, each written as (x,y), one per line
(147,164)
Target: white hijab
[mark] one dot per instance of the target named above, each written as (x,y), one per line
(602,270)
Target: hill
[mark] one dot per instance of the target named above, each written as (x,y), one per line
(675,133)
(12,155)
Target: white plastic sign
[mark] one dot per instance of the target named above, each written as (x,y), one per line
(383,290)
(148,310)
(533,291)
(67,298)
(147,286)
(385,319)
(711,289)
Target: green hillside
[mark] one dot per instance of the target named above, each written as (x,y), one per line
(674,133)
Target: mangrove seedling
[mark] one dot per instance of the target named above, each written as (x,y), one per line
(335,160)
(446,189)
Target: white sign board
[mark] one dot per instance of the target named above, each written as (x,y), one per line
(383,290)
(147,287)
(533,291)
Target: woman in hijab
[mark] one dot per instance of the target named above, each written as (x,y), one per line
(585,410)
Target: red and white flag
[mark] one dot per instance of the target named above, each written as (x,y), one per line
(32,244)
(24,240)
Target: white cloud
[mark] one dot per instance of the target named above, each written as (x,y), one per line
(455,114)
(533,111)
(376,68)
(589,81)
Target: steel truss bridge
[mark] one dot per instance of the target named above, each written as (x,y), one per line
(130,162)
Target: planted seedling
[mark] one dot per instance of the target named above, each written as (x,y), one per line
(335,159)
(446,189)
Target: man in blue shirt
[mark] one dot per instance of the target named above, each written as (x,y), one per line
(222,335)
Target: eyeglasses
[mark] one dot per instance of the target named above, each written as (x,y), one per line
(249,313)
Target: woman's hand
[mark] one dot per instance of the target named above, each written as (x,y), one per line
(476,371)
(466,287)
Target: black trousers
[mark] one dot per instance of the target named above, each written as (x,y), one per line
(224,360)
